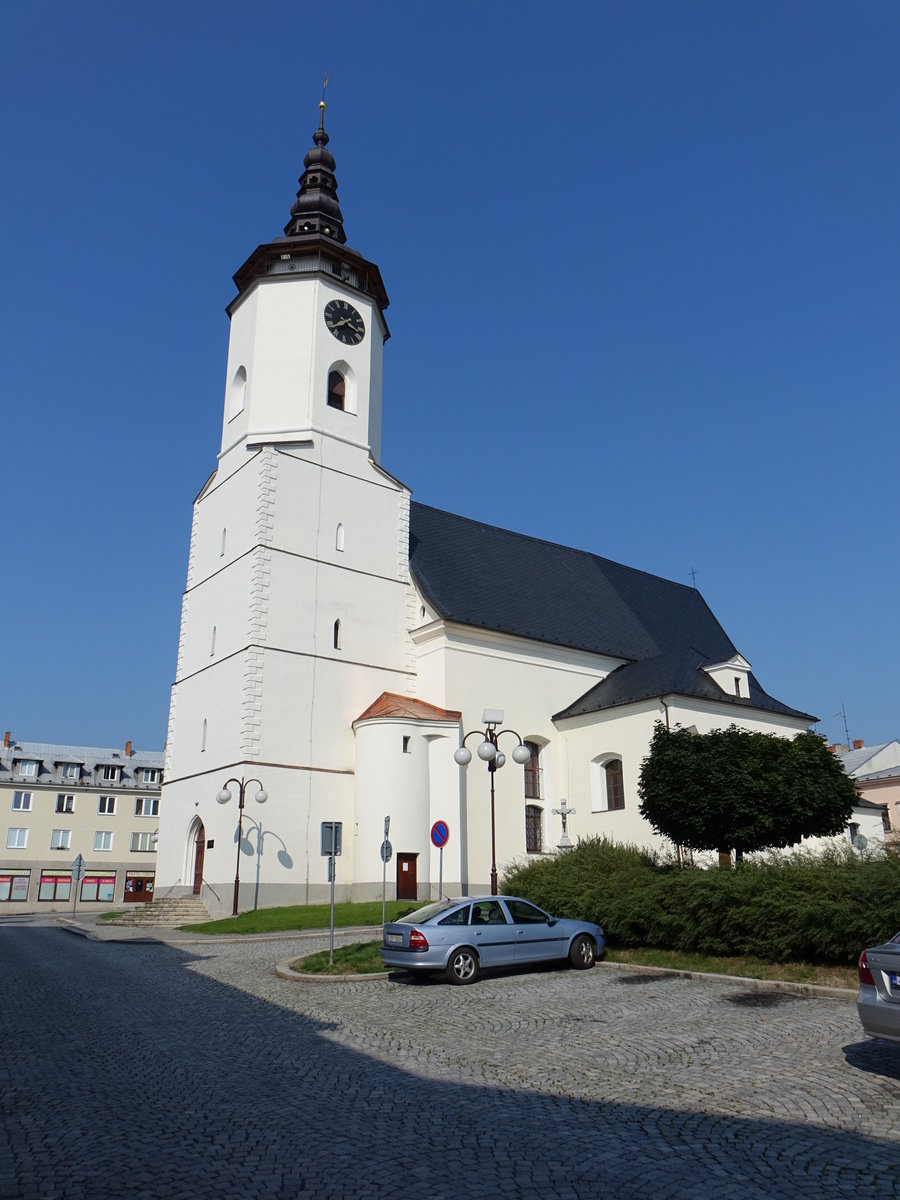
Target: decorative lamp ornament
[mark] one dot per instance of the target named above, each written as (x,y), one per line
(262,796)
(487,750)
(224,796)
(462,756)
(500,759)
(521,755)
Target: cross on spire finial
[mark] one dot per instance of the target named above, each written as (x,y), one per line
(322,104)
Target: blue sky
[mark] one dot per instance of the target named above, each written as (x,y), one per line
(643,266)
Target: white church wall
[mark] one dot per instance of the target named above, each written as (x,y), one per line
(625,732)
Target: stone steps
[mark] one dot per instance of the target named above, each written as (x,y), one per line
(166,913)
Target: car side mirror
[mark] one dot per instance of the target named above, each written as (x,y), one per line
(551,921)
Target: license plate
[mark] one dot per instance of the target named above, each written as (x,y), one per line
(395,939)
(895,981)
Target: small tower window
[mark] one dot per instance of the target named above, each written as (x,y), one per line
(212,644)
(203,736)
(222,544)
(337,390)
(406,745)
(339,538)
(337,635)
(737,685)
(237,393)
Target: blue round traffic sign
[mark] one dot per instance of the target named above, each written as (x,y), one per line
(440,833)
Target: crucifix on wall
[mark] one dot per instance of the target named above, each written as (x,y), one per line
(565,812)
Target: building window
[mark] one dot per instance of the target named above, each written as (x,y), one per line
(534,828)
(143,842)
(885,820)
(28,769)
(405,745)
(533,772)
(98,887)
(55,886)
(16,839)
(203,736)
(150,775)
(110,774)
(237,393)
(339,538)
(337,390)
(65,804)
(70,771)
(103,840)
(737,685)
(21,801)
(14,885)
(61,839)
(615,787)
(212,650)
(106,806)
(222,544)
(145,806)
(337,635)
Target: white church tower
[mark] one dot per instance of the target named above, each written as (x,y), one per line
(294,614)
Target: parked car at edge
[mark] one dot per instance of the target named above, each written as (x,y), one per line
(462,937)
(878,1002)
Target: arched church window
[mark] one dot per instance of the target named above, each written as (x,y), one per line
(615,785)
(533,772)
(337,635)
(337,390)
(237,393)
(339,537)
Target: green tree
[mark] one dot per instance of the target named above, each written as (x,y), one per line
(735,789)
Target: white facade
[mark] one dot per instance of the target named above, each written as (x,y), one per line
(311,660)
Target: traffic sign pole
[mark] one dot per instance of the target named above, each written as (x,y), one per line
(440,835)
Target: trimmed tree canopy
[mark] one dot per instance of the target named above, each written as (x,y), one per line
(733,789)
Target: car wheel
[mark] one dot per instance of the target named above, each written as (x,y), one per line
(462,966)
(582,953)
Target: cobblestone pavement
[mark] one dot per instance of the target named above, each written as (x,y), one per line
(154,1072)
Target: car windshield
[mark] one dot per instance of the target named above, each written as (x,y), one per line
(426,913)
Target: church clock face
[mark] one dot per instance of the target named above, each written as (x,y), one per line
(345,322)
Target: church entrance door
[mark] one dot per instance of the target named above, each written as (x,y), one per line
(199,851)
(407,888)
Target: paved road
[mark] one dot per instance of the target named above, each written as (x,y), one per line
(158,1072)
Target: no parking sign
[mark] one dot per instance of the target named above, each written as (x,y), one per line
(440,833)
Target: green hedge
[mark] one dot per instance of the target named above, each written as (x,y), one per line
(788,908)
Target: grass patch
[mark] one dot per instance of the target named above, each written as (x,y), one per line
(742,965)
(304,916)
(362,958)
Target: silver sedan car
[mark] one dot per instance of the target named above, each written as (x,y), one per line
(878,1002)
(464,936)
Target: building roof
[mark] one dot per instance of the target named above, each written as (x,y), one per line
(389,704)
(679,673)
(479,575)
(852,760)
(52,756)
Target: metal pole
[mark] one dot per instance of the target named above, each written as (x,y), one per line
(441,873)
(331,862)
(491,768)
(383,887)
(237,867)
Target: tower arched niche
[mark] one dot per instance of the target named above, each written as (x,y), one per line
(342,389)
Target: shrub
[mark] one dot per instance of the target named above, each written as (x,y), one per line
(796,907)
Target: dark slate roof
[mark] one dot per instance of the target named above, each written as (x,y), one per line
(490,578)
(680,673)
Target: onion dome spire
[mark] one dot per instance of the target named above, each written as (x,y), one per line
(316,209)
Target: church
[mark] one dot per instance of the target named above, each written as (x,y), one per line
(454,697)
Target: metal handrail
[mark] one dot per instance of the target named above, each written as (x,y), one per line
(212,889)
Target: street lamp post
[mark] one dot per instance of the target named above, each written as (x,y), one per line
(223,796)
(490,753)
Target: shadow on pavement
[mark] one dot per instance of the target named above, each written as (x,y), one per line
(125,1075)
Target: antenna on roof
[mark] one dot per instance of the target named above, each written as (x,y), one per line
(843,713)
